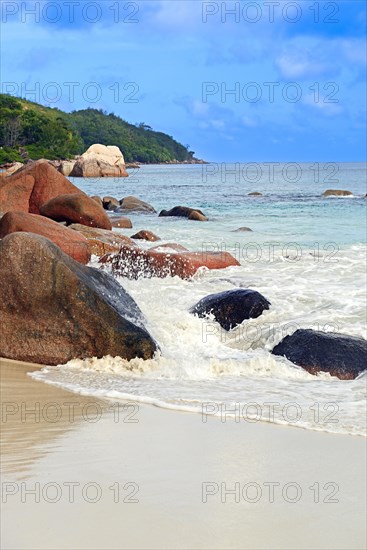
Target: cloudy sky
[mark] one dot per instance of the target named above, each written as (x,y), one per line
(237,81)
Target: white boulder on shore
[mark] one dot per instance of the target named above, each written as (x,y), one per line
(100,161)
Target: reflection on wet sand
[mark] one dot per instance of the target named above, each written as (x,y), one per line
(35,415)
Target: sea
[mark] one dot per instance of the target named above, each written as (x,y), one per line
(305,253)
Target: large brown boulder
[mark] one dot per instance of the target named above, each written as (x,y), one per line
(135,262)
(54,309)
(338,354)
(133,204)
(102,241)
(15,192)
(70,242)
(100,161)
(48,183)
(76,208)
(185,212)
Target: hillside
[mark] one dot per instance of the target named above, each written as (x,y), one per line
(30,130)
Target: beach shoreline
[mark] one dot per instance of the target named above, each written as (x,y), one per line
(145,477)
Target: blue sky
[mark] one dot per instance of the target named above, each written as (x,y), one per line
(237,81)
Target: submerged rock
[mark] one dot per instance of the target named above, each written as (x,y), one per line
(232,307)
(76,208)
(255,194)
(54,309)
(241,230)
(145,236)
(336,193)
(70,242)
(338,354)
(185,212)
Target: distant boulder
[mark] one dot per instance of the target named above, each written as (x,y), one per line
(241,230)
(66,167)
(133,204)
(315,351)
(110,203)
(232,307)
(100,161)
(197,216)
(336,193)
(121,222)
(145,236)
(14,167)
(185,212)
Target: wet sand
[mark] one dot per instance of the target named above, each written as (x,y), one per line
(81,473)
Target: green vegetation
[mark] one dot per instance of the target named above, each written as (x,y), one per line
(30,130)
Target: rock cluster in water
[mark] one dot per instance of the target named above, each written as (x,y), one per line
(55,308)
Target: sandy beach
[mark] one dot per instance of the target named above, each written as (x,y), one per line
(85,473)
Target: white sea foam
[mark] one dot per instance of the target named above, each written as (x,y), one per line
(312,268)
(201,363)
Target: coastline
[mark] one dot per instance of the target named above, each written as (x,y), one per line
(162,458)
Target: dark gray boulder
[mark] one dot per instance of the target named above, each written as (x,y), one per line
(338,354)
(232,307)
(184,212)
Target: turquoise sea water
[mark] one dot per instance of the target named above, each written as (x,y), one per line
(292,206)
(306,254)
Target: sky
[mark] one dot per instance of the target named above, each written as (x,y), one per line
(236,81)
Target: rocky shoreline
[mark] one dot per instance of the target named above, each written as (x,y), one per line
(55,307)
(97,161)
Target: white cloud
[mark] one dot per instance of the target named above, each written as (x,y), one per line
(249,122)
(323,106)
(300,65)
(354,51)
